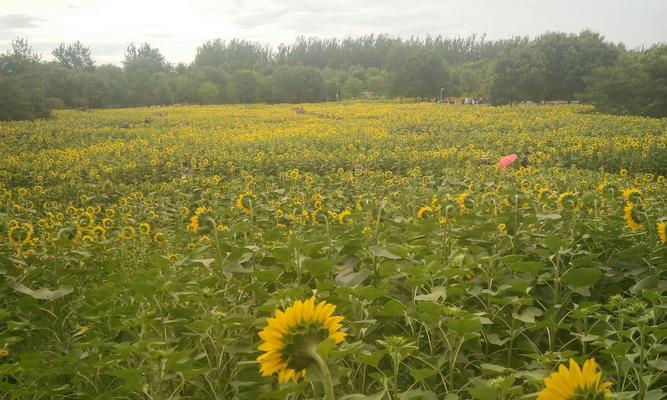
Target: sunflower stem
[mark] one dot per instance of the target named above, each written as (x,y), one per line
(327,381)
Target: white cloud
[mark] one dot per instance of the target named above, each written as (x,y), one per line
(177,28)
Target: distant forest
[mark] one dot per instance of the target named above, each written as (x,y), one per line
(552,66)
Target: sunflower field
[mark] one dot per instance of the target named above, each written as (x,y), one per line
(357,250)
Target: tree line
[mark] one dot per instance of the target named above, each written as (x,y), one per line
(552,66)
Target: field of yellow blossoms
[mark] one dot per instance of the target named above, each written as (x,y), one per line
(350,251)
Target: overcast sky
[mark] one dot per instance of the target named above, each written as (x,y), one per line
(178,27)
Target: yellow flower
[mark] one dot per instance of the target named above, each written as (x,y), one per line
(632,217)
(99,231)
(241,205)
(20,233)
(502,227)
(662,231)
(565,199)
(292,334)
(575,383)
(4,352)
(158,237)
(461,201)
(632,193)
(343,214)
(128,233)
(199,222)
(145,228)
(423,210)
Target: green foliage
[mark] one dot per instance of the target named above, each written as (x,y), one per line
(352,88)
(553,66)
(246,86)
(23,95)
(637,84)
(208,93)
(73,56)
(448,305)
(297,84)
(417,73)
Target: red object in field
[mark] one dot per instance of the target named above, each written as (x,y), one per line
(507,160)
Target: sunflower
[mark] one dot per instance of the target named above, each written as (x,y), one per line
(128,233)
(201,222)
(342,215)
(99,231)
(632,194)
(245,206)
(145,228)
(662,232)
(423,210)
(632,217)
(575,383)
(291,337)
(158,237)
(20,233)
(565,199)
(463,201)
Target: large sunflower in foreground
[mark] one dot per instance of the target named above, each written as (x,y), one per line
(633,217)
(575,383)
(292,336)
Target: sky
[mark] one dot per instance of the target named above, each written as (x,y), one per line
(178,27)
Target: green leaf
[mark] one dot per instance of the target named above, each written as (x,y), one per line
(463,326)
(531,267)
(204,261)
(418,394)
(369,358)
(585,260)
(492,369)
(377,396)
(554,243)
(384,253)
(660,364)
(422,373)
(350,278)
(392,308)
(43,293)
(325,347)
(528,315)
(437,293)
(318,267)
(483,393)
(580,277)
(285,391)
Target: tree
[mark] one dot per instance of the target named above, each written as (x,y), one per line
(245,86)
(654,64)
(20,57)
(235,54)
(73,56)
(297,85)
(417,73)
(470,79)
(146,56)
(568,58)
(23,97)
(517,76)
(352,88)
(636,84)
(208,93)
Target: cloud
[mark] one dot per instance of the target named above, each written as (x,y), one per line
(15,23)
